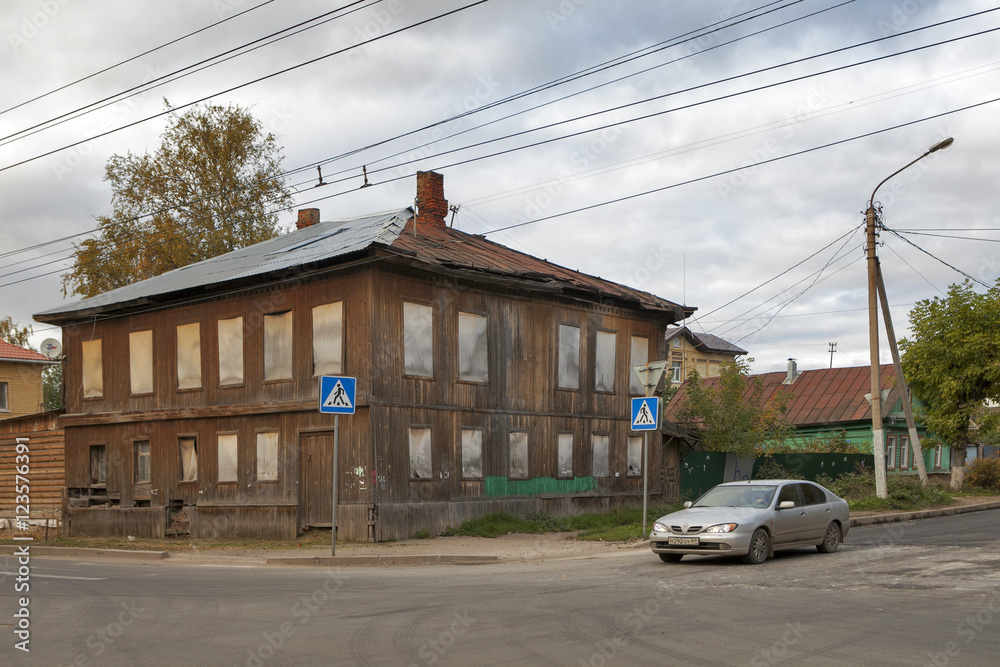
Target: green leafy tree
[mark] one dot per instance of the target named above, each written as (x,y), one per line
(214,185)
(14,334)
(952,361)
(730,413)
(52,379)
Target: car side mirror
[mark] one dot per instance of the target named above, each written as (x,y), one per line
(687,504)
(786,505)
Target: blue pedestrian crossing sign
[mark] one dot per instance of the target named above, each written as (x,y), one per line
(336,394)
(646,413)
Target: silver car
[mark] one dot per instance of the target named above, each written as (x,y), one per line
(753,519)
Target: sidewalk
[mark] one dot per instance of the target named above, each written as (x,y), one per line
(518,547)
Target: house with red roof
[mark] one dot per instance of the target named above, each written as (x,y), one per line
(20,380)
(825,402)
(486,379)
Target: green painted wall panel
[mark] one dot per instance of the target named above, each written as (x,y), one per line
(501,486)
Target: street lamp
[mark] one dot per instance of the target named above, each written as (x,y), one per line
(878,441)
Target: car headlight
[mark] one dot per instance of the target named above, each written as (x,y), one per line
(722,528)
(660,528)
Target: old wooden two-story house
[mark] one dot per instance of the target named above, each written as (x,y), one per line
(487,379)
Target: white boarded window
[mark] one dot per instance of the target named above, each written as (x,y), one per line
(278,346)
(328,338)
(93,369)
(472,453)
(189,356)
(604,361)
(473,348)
(140,355)
(519,455)
(420,453)
(634,455)
(904,452)
(188,447)
(267,456)
(569,357)
(418,339)
(231,351)
(564,455)
(227,457)
(600,463)
(638,354)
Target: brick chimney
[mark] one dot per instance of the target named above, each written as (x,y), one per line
(432,207)
(307,218)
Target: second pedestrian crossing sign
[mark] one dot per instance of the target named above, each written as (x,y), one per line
(646,413)
(336,394)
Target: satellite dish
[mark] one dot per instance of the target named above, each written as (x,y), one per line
(51,348)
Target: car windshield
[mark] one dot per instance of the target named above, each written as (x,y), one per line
(749,495)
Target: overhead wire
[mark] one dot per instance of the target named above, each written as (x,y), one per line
(935,257)
(135,57)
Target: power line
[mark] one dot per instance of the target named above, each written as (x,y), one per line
(181,73)
(135,57)
(248,83)
(932,256)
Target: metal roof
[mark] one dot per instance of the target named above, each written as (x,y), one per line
(823,396)
(433,247)
(321,241)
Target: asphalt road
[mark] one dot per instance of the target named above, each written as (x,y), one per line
(919,593)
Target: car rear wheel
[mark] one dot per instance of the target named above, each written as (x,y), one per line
(831,540)
(670,558)
(760,547)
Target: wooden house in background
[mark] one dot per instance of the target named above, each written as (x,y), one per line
(827,401)
(487,380)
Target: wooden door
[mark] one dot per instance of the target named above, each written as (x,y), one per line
(315,490)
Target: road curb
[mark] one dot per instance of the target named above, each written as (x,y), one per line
(920,514)
(37,550)
(338,561)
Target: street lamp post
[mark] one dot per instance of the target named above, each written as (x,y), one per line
(878,441)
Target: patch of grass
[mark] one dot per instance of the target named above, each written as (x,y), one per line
(423,535)
(904,492)
(615,525)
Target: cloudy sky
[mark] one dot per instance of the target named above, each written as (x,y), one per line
(743,138)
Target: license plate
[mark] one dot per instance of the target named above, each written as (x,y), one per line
(683,541)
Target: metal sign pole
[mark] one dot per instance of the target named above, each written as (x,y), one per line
(336,455)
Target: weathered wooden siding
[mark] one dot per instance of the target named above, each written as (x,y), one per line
(521,395)
(46,462)
(117,521)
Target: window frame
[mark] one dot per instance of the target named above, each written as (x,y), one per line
(430,452)
(600,348)
(102,465)
(138,457)
(560,366)
(276,359)
(133,359)
(242,350)
(337,367)
(633,440)
(513,447)
(407,372)
(4,400)
(218,458)
(463,430)
(890,452)
(84,346)
(560,438)
(180,458)
(460,353)
(635,386)
(196,324)
(593,455)
(277,455)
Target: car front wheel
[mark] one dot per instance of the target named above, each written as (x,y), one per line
(831,540)
(670,558)
(760,547)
